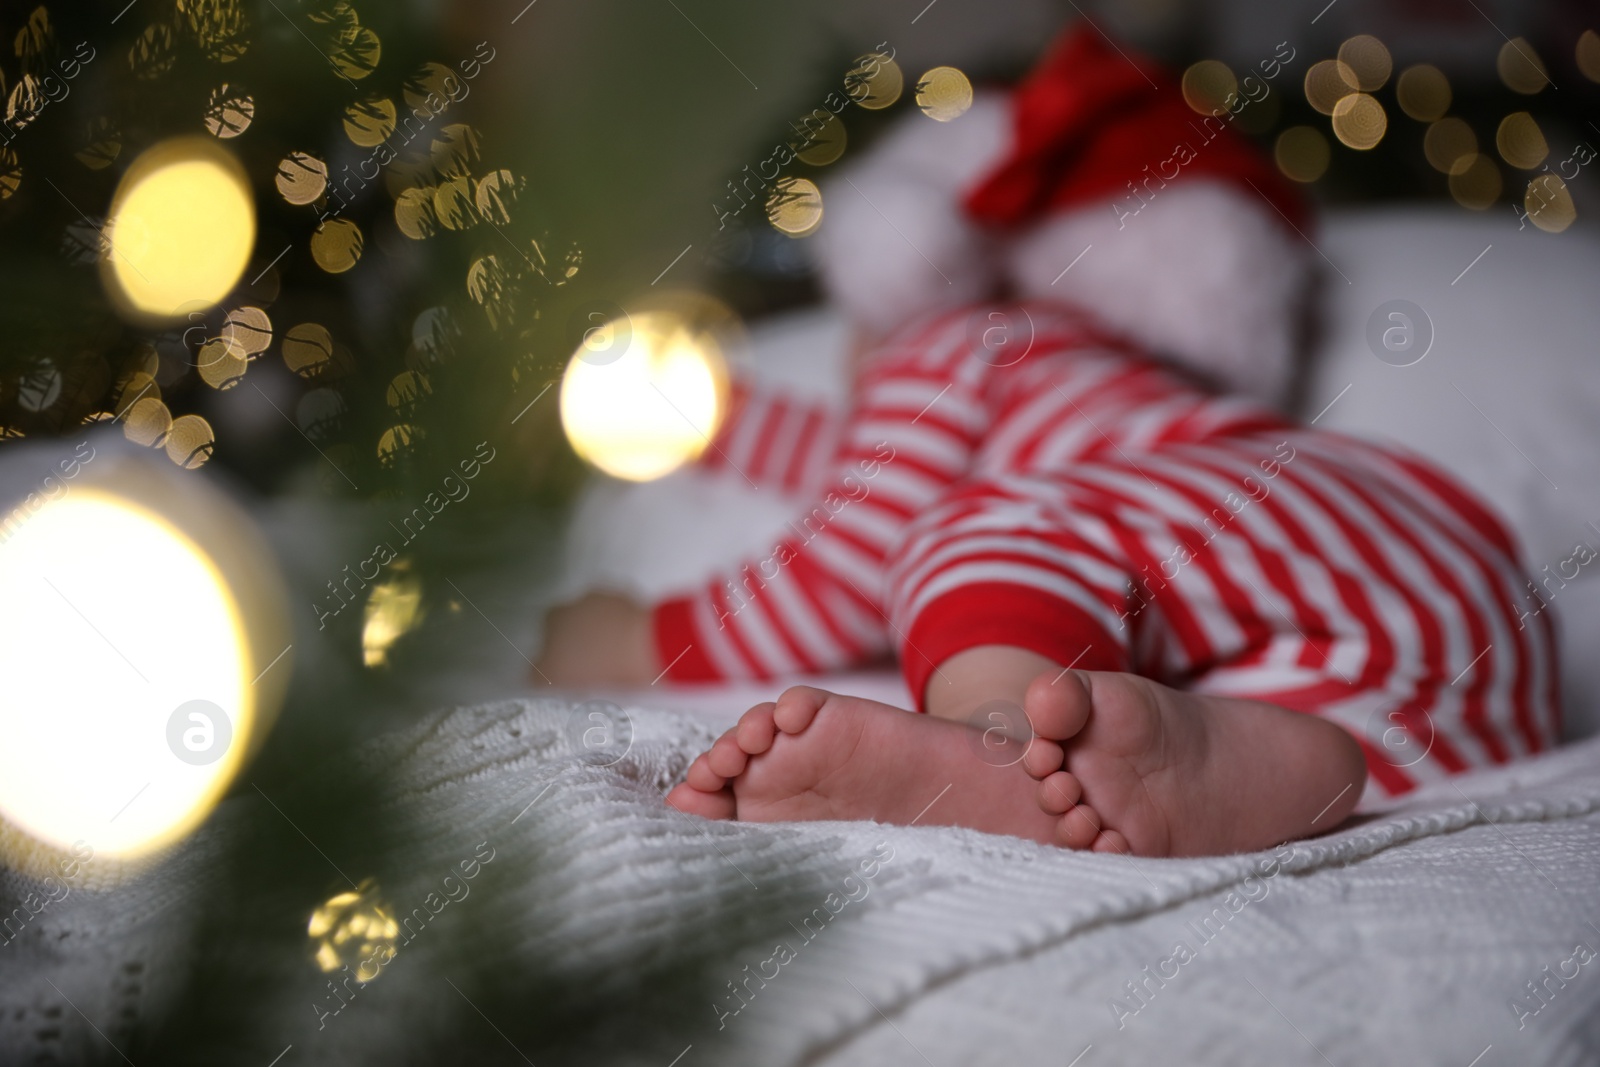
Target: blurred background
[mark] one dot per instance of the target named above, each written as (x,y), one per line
(344,265)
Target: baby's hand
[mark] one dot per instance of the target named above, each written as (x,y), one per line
(600,639)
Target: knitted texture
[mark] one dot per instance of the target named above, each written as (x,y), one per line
(607,928)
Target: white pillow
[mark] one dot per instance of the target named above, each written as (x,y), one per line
(1508,395)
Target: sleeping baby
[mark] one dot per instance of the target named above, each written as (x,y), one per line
(1078,519)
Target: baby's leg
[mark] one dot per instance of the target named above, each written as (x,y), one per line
(1043,593)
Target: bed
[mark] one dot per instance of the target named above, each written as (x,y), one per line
(1456,926)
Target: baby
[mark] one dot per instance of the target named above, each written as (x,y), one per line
(1138,614)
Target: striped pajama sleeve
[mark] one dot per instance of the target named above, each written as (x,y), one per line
(772,440)
(815,601)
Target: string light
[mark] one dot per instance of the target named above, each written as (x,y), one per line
(1208,85)
(1520,67)
(1368,60)
(1520,141)
(1359,121)
(944,93)
(145,649)
(1549,203)
(1423,92)
(1587,55)
(825,142)
(1328,82)
(643,412)
(1302,153)
(181,229)
(875,82)
(794,207)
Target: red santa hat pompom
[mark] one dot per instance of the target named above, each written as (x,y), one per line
(1092,182)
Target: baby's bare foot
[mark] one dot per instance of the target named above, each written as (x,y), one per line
(819,755)
(1128,764)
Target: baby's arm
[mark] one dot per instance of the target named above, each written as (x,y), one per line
(770,439)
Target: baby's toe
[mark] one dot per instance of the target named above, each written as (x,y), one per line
(1043,758)
(1111,841)
(1059,792)
(797,706)
(756,730)
(702,777)
(1058,705)
(692,801)
(726,757)
(1079,827)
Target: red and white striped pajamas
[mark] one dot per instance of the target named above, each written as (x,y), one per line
(1061,494)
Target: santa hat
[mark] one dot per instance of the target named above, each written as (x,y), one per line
(1092,182)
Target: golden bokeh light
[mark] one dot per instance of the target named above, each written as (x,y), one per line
(229,112)
(647,410)
(355,929)
(1548,203)
(1520,141)
(414,214)
(190,442)
(359,57)
(220,27)
(369,123)
(136,647)
(10,173)
(1587,55)
(336,245)
(455,150)
(1520,67)
(301,178)
(875,81)
(1302,153)
(1327,83)
(1208,86)
(27,99)
(393,609)
(1359,121)
(398,443)
(248,329)
(153,53)
(943,94)
(794,207)
(406,390)
(487,280)
(824,141)
(308,349)
(1449,145)
(135,388)
(494,195)
(222,365)
(1369,60)
(147,421)
(181,229)
(1475,183)
(452,204)
(1423,92)
(428,81)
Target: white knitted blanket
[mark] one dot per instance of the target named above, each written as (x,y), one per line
(608,928)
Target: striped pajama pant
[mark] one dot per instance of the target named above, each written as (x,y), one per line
(1006,476)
